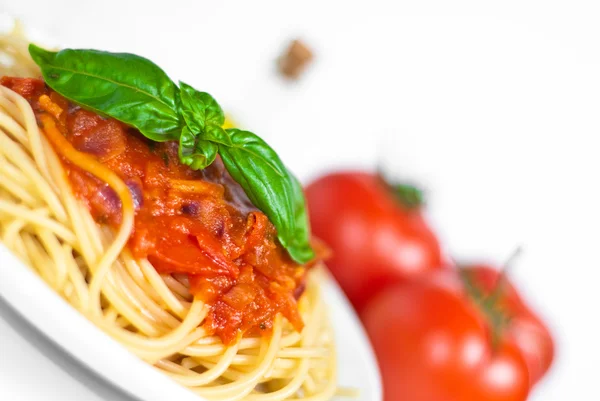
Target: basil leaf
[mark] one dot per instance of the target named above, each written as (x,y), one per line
(300,248)
(124,86)
(199,108)
(197,154)
(216,133)
(271,188)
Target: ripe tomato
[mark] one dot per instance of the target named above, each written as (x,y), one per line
(457,336)
(376,238)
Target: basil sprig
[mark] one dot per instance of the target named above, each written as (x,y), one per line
(136,91)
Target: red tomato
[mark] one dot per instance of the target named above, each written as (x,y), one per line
(376,239)
(435,342)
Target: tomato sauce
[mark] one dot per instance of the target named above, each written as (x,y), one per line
(196,223)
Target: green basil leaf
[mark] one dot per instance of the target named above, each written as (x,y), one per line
(271,188)
(199,108)
(196,153)
(124,86)
(216,133)
(300,248)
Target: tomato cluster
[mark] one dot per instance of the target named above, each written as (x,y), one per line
(440,332)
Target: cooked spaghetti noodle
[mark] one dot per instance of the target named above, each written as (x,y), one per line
(153,315)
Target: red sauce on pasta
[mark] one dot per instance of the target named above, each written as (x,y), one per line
(194,223)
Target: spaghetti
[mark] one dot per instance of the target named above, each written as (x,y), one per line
(153,315)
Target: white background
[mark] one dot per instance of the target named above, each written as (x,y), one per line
(494,106)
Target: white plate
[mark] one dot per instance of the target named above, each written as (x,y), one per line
(24,291)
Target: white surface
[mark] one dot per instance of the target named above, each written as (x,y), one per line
(493,104)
